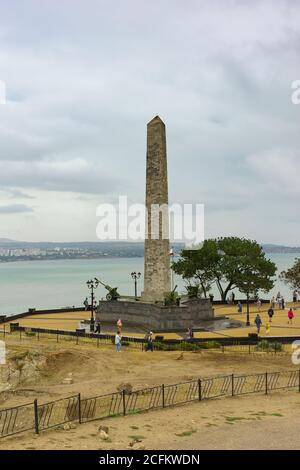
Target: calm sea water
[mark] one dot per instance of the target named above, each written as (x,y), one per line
(61,283)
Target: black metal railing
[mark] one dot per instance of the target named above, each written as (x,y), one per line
(39,417)
(270,345)
(17,419)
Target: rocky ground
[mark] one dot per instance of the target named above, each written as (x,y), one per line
(47,371)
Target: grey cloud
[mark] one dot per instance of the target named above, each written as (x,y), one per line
(17,194)
(15,209)
(77,175)
(82,85)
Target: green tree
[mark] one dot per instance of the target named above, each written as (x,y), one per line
(255,273)
(230,263)
(291,277)
(198,266)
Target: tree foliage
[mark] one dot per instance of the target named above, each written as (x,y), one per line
(292,275)
(230,263)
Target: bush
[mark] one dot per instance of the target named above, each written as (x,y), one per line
(29,333)
(185,346)
(265,345)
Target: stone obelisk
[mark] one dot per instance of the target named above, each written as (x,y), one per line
(157,280)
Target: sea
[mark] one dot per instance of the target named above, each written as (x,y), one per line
(62,283)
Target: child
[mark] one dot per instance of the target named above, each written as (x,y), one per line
(290,315)
(118,339)
(239,307)
(268,328)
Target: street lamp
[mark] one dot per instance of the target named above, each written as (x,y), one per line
(92,285)
(135,276)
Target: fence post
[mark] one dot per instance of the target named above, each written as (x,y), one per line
(38,335)
(98,342)
(124,402)
(79,408)
(163,395)
(249,348)
(223,348)
(77,338)
(200,389)
(232,385)
(57,336)
(36,416)
(266,383)
(20,334)
(4,330)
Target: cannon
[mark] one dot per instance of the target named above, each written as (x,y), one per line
(112,293)
(171,298)
(193,291)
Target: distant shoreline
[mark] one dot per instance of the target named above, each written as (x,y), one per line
(136,255)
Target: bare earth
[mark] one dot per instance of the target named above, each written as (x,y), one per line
(250,422)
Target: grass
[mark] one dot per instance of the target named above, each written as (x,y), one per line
(232,419)
(137,437)
(264,413)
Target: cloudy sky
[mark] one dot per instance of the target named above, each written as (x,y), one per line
(84,77)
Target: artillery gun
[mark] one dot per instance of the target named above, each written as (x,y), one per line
(171,298)
(193,291)
(112,293)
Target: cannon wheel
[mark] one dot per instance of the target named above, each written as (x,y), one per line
(108,297)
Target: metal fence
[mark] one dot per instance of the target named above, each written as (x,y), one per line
(275,345)
(39,417)
(73,337)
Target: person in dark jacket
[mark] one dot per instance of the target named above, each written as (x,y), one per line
(270,313)
(258,322)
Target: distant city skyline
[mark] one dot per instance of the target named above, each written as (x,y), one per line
(82,79)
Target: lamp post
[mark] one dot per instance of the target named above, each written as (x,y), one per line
(92,285)
(135,276)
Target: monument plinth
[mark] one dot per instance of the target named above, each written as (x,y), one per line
(157,279)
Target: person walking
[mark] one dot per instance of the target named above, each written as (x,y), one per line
(239,307)
(149,345)
(97,326)
(190,333)
(86,303)
(278,299)
(268,329)
(295,296)
(258,304)
(290,316)
(118,339)
(282,303)
(258,322)
(273,303)
(270,313)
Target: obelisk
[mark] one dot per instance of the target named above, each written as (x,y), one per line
(157,279)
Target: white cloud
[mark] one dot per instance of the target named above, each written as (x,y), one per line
(279,168)
(82,80)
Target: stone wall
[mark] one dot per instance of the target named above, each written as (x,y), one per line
(156,317)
